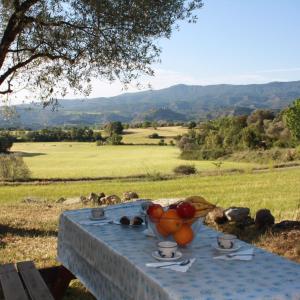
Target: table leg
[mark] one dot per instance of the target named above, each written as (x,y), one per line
(58,279)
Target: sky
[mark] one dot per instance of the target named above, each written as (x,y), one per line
(234,41)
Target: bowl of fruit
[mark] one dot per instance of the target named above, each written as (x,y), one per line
(178,222)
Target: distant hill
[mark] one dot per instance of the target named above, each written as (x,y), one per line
(176,103)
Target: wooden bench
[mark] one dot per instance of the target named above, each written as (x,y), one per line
(25,282)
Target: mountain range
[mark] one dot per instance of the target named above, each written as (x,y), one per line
(176,103)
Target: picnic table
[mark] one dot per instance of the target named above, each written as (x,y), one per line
(110,260)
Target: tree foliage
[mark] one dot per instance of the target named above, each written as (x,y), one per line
(292,117)
(6,142)
(260,130)
(114,128)
(114,139)
(13,167)
(52,45)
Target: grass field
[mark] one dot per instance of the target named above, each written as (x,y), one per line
(141,135)
(28,231)
(78,160)
(276,190)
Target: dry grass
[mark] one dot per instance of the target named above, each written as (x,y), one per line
(286,243)
(28,234)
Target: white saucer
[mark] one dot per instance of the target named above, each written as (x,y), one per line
(234,248)
(158,257)
(97,219)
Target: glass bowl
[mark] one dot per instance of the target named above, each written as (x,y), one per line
(181,231)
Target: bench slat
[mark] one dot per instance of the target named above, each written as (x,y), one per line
(35,285)
(12,286)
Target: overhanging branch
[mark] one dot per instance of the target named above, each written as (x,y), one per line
(13,69)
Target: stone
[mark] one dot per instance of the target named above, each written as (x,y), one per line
(84,200)
(130,195)
(112,199)
(61,200)
(101,195)
(237,214)
(93,197)
(216,216)
(264,218)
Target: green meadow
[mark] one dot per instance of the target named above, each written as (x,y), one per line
(278,190)
(82,160)
(141,135)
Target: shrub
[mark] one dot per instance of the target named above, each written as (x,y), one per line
(99,143)
(13,167)
(185,170)
(154,136)
(162,142)
(154,176)
(115,139)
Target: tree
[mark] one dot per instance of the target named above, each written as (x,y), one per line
(115,139)
(292,118)
(52,45)
(13,167)
(192,125)
(250,137)
(6,143)
(114,128)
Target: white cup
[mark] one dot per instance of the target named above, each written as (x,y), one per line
(226,241)
(97,213)
(167,249)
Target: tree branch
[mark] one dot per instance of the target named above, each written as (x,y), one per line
(13,28)
(13,69)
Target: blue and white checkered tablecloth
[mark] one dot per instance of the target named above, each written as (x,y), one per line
(110,261)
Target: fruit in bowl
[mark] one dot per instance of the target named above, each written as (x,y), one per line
(179,222)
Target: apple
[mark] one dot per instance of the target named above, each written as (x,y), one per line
(155,211)
(186,210)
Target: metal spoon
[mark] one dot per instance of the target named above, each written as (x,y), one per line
(233,255)
(183,263)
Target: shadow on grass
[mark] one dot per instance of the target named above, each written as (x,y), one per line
(29,154)
(25,232)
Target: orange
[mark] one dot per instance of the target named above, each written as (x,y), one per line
(161,231)
(190,221)
(170,222)
(184,235)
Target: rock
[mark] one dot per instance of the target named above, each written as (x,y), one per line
(237,214)
(61,200)
(93,197)
(70,201)
(216,216)
(287,225)
(112,199)
(101,195)
(84,200)
(264,218)
(130,195)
